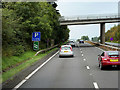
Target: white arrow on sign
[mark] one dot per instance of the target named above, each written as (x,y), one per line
(36,46)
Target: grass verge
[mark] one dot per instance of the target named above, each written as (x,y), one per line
(102,47)
(7,62)
(13,71)
(114,42)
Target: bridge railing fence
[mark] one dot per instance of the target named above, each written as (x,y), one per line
(84,17)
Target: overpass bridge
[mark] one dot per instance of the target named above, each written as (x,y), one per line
(91,19)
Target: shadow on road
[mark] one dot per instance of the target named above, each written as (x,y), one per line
(110,68)
(67,57)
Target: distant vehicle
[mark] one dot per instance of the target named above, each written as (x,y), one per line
(72,43)
(81,41)
(67,45)
(66,50)
(109,58)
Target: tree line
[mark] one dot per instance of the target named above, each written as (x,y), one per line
(21,19)
(114,33)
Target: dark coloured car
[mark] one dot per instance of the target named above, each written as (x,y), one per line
(72,43)
(81,41)
(109,58)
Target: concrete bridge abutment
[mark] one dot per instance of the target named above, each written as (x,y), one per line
(102,33)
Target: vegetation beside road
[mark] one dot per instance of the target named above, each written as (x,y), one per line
(100,46)
(28,59)
(114,33)
(9,62)
(114,42)
(19,21)
(84,38)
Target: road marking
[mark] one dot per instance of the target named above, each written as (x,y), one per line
(88,67)
(95,85)
(30,75)
(84,59)
(23,81)
(100,49)
(82,54)
(81,51)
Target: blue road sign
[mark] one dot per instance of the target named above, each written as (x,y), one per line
(36,36)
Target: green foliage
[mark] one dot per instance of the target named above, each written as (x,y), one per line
(95,39)
(78,40)
(114,33)
(21,19)
(85,38)
(17,59)
(13,60)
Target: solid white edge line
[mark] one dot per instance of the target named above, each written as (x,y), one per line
(17,86)
(95,85)
(88,67)
(30,75)
(100,49)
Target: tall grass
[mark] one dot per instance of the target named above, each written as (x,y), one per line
(13,60)
(13,71)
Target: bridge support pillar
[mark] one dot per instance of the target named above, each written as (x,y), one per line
(102,33)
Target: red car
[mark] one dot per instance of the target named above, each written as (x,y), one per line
(109,58)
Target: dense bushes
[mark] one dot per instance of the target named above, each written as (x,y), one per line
(20,19)
(114,33)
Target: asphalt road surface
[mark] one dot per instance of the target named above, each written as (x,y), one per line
(80,71)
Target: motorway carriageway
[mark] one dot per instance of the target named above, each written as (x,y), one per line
(80,71)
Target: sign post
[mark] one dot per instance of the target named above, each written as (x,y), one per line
(36,37)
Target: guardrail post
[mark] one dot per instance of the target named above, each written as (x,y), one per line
(102,33)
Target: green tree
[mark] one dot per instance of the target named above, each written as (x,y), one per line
(21,19)
(114,33)
(95,39)
(85,37)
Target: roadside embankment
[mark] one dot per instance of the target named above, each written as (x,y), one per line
(14,65)
(104,47)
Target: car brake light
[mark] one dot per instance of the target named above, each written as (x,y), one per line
(60,49)
(71,48)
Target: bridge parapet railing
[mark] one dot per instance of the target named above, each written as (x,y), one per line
(84,17)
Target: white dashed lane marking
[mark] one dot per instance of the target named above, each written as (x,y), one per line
(84,59)
(95,85)
(82,54)
(88,67)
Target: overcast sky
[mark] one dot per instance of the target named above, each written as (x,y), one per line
(80,8)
